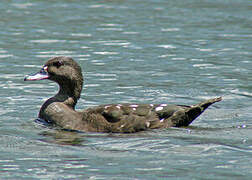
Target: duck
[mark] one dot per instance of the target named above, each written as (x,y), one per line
(59,110)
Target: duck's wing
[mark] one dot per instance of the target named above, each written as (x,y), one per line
(129,118)
(123,118)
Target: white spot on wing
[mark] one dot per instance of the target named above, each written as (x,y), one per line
(151,105)
(119,107)
(159,108)
(133,105)
(106,107)
(162,120)
(163,105)
(147,124)
(134,109)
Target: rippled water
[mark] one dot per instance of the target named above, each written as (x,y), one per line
(157,51)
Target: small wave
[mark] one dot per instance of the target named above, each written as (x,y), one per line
(56,52)
(109,29)
(130,32)
(110,25)
(170,29)
(204,50)
(6,55)
(242,93)
(167,46)
(106,53)
(81,35)
(22,5)
(47,41)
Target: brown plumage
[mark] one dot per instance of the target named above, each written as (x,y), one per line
(119,118)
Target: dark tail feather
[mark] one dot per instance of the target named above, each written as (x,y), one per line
(194,111)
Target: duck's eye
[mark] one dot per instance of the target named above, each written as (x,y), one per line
(58,64)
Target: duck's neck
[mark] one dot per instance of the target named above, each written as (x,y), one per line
(69,93)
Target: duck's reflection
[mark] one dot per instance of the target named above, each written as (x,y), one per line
(63,137)
(56,135)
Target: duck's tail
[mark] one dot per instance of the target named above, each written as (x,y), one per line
(192,112)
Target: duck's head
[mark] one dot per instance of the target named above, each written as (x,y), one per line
(64,71)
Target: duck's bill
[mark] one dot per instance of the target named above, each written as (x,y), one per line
(42,74)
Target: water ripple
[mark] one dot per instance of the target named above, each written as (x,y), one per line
(56,52)
(23,5)
(47,41)
(106,53)
(81,35)
(167,46)
(242,93)
(112,43)
(170,29)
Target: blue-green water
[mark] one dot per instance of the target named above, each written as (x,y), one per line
(153,51)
